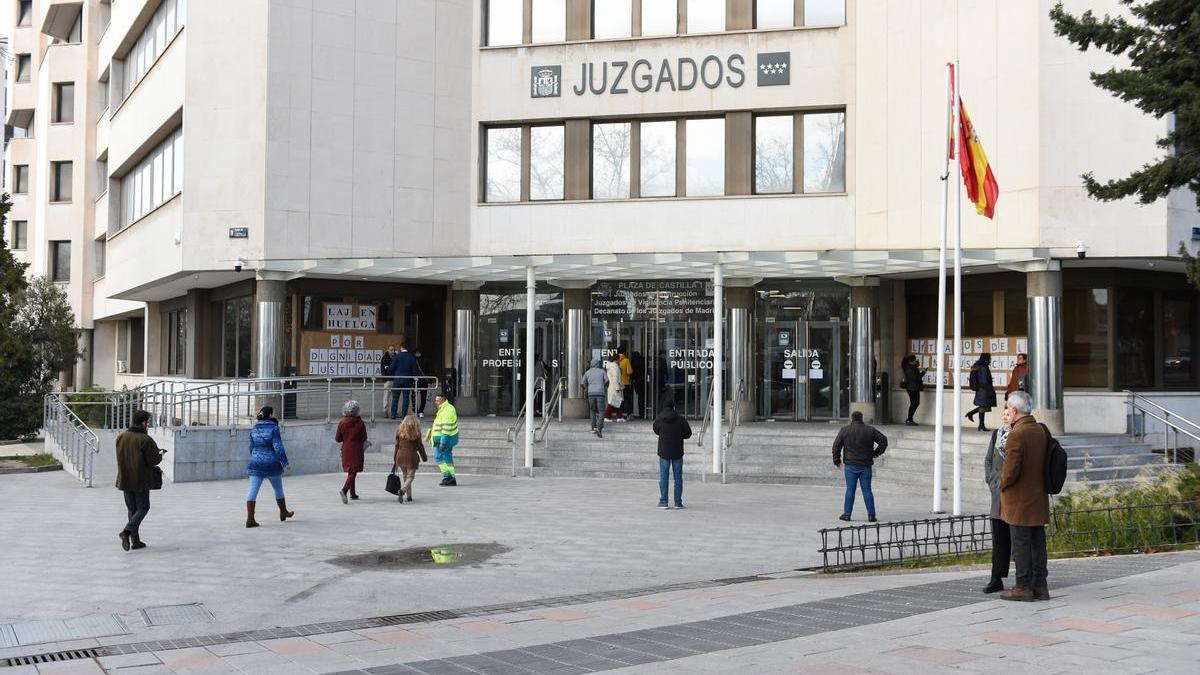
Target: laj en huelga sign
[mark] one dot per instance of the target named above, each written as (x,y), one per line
(711,71)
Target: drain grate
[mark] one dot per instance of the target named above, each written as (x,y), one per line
(417,617)
(53,657)
(170,615)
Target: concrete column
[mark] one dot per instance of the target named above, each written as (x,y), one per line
(739,153)
(578,158)
(466,317)
(718,402)
(579,19)
(864,312)
(740,302)
(83,367)
(527,359)
(269,336)
(577,304)
(739,14)
(152,363)
(1043,290)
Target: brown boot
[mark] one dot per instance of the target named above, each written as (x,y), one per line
(1041,592)
(1018,593)
(284,514)
(250,522)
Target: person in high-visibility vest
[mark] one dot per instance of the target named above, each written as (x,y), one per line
(444,436)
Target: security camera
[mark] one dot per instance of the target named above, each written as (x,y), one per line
(238,264)
(1080,250)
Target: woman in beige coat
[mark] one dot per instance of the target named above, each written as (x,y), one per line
(410,452)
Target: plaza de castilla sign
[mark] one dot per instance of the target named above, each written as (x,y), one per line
(643,76)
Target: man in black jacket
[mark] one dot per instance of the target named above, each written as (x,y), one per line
(672,430)
(860,444)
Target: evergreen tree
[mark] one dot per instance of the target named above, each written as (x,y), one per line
(16,357)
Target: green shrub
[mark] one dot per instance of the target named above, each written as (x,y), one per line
(88,405)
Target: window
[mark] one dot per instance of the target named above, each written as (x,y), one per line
(27,131)
(1178,330)
(20,179)
(235,337)
(1016,313)
(152,42)
(612,18)
(977,313)
(1135,338)
(705,16)
(24,67)
(101,177)
(104,95)
(76,34)
(154,181)
(101,248)
(774,13)
(504,22)
(137,345)
(656,157)
(24,12)
(64,103)
(20,235)
(1085,337)
(60,181)
(503,170)
(610,160)
(773,156)
(60,261)
(824,12)
(176,325)
(549,21)
(660,17)
(825,152)
(546,162)
(705,157)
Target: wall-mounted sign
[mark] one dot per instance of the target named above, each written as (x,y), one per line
(785,338)
(239,233)
(351,317)
(642,75)
(653,300)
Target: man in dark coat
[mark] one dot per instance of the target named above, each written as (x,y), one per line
(424,369)
(385,370)
(672,430)
(137,455)
(638,363)
(404,369)
(1024,503)
(858,444)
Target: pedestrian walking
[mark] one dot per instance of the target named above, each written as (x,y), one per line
(672,430)
(138,457)
(404,370)
(912,382)
(980,382)
(385,370)
(352,434)
(1024,503)
(595,385)
(612,370)
(626,382)
(638,363)
(1018,379)
(409,454)
(1001,539)
(268,459)
(857,445)
(425,370)
(444,435)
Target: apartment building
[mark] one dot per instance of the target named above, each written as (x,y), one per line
(361,173)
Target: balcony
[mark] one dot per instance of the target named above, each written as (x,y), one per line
(60,17)
(22,103)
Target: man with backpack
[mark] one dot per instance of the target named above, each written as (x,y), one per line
(1024,497)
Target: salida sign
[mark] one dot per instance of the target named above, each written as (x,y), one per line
(642,75)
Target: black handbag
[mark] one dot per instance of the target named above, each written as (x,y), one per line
(156,478)
(393,484)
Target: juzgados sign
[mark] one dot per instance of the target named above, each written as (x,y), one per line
(681,74)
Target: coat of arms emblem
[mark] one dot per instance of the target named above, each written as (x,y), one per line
(545,81)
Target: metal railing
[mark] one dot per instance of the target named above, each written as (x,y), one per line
(1140,528)
(77,443)
(735,420)
(1174,424)
(514,432)
(551,409)
(704,425)
(234,403)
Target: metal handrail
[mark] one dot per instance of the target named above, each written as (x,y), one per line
(78,444)
(735,420)
(510,433)
(553,402)
(707,414)
(1171,429)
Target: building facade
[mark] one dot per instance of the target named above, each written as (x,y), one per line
(365,173)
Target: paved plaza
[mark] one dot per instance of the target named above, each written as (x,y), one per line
(573,576)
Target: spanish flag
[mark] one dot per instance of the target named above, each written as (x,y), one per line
(976,171)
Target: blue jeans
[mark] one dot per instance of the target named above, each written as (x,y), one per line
(401,388)
(596,407)
(256,483)
(854,475)
(666,467)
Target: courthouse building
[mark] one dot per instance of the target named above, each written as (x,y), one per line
(361,172)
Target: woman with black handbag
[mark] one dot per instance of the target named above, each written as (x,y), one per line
(410,452)
(138,457)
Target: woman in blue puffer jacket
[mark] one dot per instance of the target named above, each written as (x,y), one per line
(268,460)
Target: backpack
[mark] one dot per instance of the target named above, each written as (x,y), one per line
(973,379)
(1056,464)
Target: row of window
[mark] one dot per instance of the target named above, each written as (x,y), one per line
(792,153)
(155,179)
(158,33)
(506,20)
(61,179)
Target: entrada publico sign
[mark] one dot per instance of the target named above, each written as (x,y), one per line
(642,76)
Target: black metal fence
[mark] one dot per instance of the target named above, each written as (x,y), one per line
(1139,528)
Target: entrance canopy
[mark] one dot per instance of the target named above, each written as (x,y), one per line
(795,264)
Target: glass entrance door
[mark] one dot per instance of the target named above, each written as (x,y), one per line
(547,355)
(828,354)
(686,365)
(805,370)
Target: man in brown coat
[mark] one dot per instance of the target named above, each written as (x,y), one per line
(137,455)
(1024,503)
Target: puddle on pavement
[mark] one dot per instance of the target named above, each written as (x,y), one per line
(446,555)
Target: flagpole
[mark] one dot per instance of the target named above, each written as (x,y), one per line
(940,355)
(957,313)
